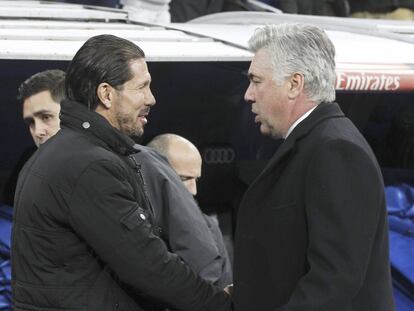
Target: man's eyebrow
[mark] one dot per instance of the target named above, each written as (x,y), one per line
(139,84)
(251,75)
(148,81)
(248,74)
(41,112)
(38,113)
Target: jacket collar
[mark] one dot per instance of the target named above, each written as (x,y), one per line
(322,112)
(77,117)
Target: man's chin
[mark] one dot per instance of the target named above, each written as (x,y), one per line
(136,134)
(133,131)
(264,130)
(38,143)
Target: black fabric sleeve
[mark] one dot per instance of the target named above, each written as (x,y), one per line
(106,215)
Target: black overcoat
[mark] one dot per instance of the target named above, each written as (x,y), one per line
(312,228)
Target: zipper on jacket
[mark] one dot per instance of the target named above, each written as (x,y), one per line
(138,170)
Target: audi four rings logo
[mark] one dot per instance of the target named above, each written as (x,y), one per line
(219,155)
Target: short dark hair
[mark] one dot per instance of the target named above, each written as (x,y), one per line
(49,80)
(103,58)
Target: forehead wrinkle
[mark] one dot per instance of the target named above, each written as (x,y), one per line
(138,81)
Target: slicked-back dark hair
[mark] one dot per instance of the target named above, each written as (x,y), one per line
(103,58)
(49,80)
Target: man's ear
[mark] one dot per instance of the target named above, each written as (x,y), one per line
(105,94)
(296,85)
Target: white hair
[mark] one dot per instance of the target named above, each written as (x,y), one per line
(300,48)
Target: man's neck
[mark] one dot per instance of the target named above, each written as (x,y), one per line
(302,114)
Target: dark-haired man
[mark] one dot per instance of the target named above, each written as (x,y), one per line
(83,236)
(41,95)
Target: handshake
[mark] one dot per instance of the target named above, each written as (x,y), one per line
(229,289)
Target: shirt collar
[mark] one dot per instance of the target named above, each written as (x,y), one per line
(303,117)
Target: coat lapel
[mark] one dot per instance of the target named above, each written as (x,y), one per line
(287,148)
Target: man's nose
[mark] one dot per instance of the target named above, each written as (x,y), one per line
(248,95)
(192,186)
(150,99)
(39,129)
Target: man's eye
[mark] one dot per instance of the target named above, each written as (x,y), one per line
(46,117)
(137,88)
(186,178)
(141,87)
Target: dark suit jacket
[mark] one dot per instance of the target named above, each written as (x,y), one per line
(312,228)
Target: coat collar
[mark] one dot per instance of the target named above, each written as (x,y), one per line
(77,117)
(322,112)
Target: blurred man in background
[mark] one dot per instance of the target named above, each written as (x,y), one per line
(193,235)
(41,95)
